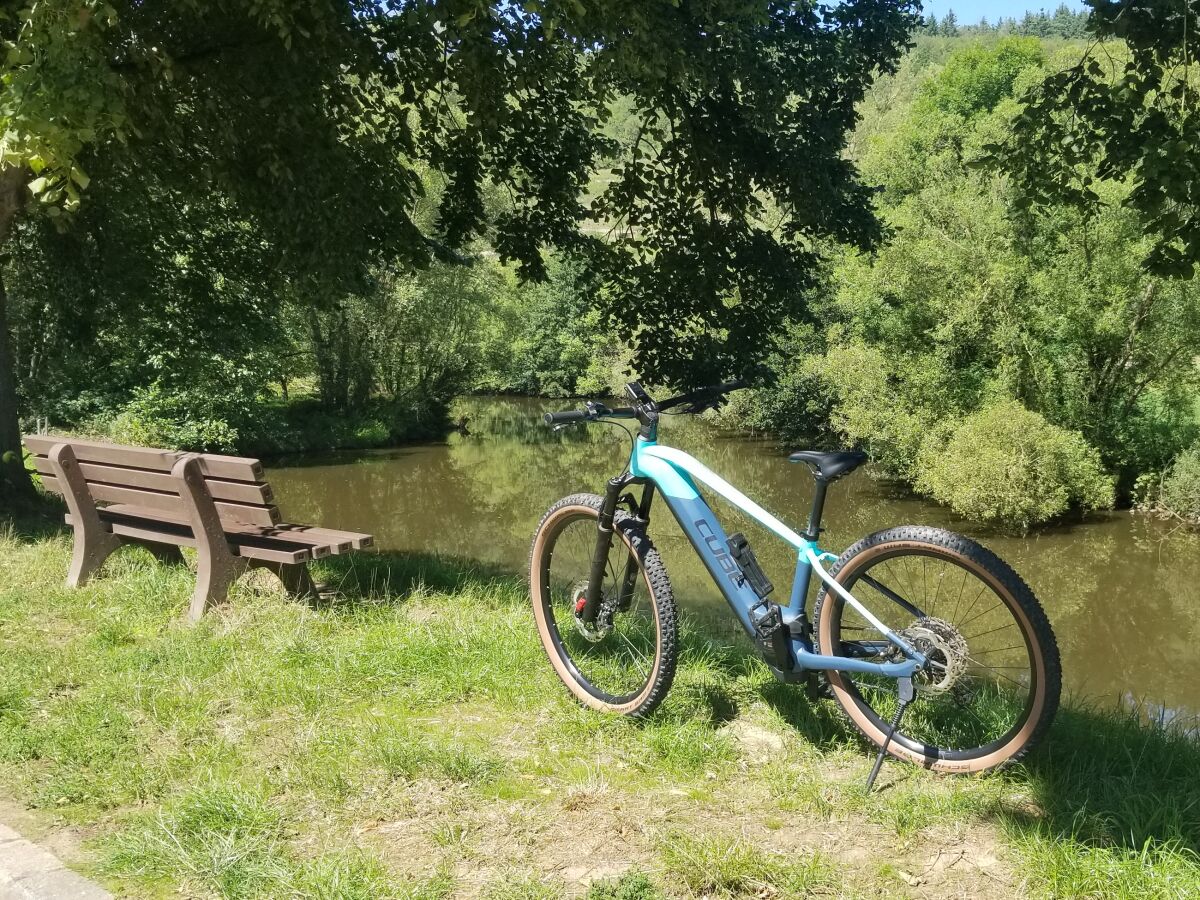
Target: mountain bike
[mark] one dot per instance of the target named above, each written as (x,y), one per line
(935,649)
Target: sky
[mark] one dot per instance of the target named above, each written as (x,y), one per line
(969,12)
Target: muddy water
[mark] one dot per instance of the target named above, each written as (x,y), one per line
(1122,592)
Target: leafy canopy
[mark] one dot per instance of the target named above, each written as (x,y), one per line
(312,116)
(1125,111)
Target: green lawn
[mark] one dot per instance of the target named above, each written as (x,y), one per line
(409,740)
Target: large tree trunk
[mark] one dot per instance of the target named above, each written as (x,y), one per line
(15,484)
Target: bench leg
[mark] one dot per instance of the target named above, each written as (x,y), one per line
(94,543)
(215,573)
(295,577)
(92,548)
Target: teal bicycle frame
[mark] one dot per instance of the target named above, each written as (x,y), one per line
(674,474)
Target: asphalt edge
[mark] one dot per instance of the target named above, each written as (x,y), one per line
(30,872)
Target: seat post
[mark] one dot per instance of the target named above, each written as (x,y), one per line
(813,531)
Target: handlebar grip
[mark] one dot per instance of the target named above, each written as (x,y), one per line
(560,418)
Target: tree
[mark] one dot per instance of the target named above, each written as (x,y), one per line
(974,304)
(263,108)
(309,118)
(950,24)
(1127,115)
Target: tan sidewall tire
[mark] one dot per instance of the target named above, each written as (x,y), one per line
(846,699)
(548,527)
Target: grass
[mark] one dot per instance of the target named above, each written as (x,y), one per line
(409,740)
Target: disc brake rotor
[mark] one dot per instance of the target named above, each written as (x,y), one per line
(946,651)
(598,630)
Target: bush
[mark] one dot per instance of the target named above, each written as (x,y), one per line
(1180,492)
(1008,466)
(204,417)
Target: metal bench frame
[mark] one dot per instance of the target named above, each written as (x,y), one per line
(166,510)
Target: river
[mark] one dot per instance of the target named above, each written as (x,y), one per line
(1122,591)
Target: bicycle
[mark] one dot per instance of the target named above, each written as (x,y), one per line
(910,620)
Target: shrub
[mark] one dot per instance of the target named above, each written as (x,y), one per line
(1010,467)
(1180,492)
(200,418)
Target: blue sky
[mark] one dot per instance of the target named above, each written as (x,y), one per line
(970,11)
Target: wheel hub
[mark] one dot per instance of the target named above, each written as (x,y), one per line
(945,650)
(596,631)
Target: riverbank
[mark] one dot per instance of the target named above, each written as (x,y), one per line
(273,428)
(409,740)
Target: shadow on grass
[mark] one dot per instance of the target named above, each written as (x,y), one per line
(389,578)
(35,521)
(1109,779)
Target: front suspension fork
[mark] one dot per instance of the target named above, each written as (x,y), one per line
(604,539)
(604,536)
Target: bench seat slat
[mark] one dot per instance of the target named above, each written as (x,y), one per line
(231,513)
(248,546)
(337,542)
(234,491)
(232,468)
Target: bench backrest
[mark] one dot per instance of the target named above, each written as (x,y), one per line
(142,477)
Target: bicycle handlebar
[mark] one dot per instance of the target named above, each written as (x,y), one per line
(564,417)
(698,400)
(704,395)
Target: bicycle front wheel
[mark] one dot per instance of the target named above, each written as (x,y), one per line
(624,661)
(993,680)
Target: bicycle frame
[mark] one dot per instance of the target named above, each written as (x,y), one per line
(674,474)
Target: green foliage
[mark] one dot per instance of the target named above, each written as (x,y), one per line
(630,886)
(1006,465)
(549,340)
(972,301)
(1177,492)
(976,79)
(415,337)
(1123,113)
(195,418)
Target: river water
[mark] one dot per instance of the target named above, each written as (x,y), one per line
(1122,591)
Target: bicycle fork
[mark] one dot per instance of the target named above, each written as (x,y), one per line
(604,539)
(604,536)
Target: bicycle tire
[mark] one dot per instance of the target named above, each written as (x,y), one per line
(585,508)
(1044,677)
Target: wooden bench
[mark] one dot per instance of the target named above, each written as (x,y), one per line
(164,500)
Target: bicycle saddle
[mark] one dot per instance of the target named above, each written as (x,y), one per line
(830,466)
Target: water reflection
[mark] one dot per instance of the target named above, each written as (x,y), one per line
(1122,592)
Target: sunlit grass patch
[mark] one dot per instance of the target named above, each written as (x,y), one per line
(411,741)
(524,887)
(1069,868)
(630,886)
(223,838)
(726,867)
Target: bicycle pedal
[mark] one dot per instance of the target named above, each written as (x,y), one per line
(817,688)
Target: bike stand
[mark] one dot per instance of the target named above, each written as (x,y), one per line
(904,694)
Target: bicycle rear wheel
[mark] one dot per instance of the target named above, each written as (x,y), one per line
(993,683)
(624,662)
